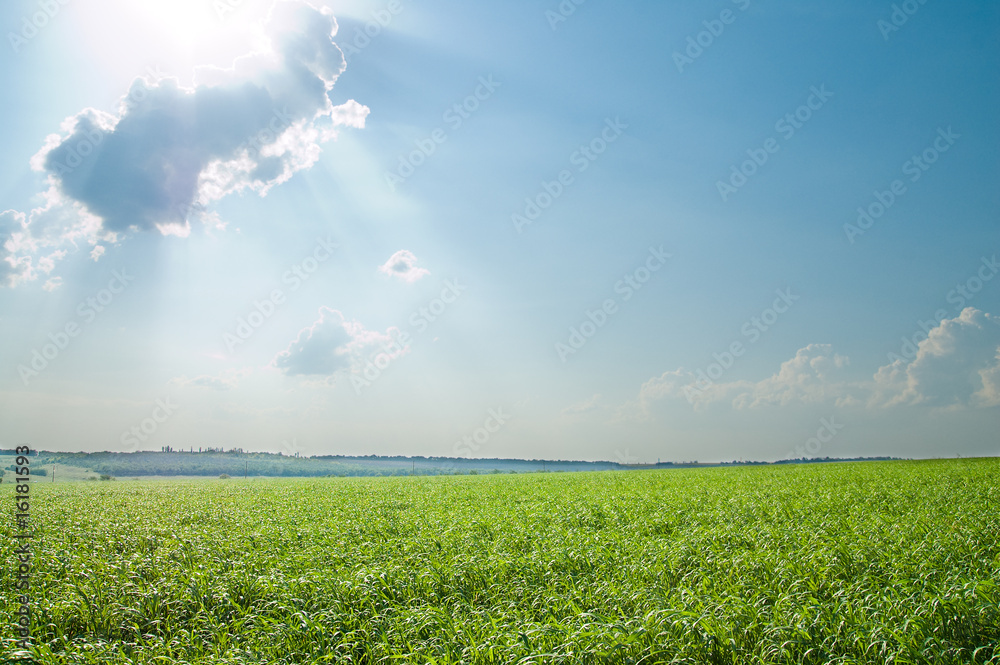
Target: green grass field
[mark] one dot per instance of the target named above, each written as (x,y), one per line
(894,562)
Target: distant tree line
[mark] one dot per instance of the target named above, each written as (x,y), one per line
(236,463)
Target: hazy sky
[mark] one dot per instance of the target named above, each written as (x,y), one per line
(587,230)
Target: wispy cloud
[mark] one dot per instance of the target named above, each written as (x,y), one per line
(586,406)
(226,380)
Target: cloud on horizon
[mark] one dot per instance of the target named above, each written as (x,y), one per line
(956,366)
(226,380)
(171,151)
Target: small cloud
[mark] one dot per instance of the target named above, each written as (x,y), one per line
(175,229)
(48,263)
(13,269)
(52,284)
(333,344)
(585,406)
(97,252)
(227,380)
(403,265)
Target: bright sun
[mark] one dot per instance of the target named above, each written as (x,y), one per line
(171,35)
(185,21)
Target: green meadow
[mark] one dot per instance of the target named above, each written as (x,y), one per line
(882,562)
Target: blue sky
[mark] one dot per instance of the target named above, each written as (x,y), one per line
(633,233)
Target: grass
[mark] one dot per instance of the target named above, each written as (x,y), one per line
(894,562)
(63,472)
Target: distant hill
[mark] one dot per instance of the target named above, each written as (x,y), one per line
(237,463)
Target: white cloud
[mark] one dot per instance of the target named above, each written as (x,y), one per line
(814,375)
(25,239)
(13,268)
(403,265)
(170,151)
(957,366)
(333,344)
